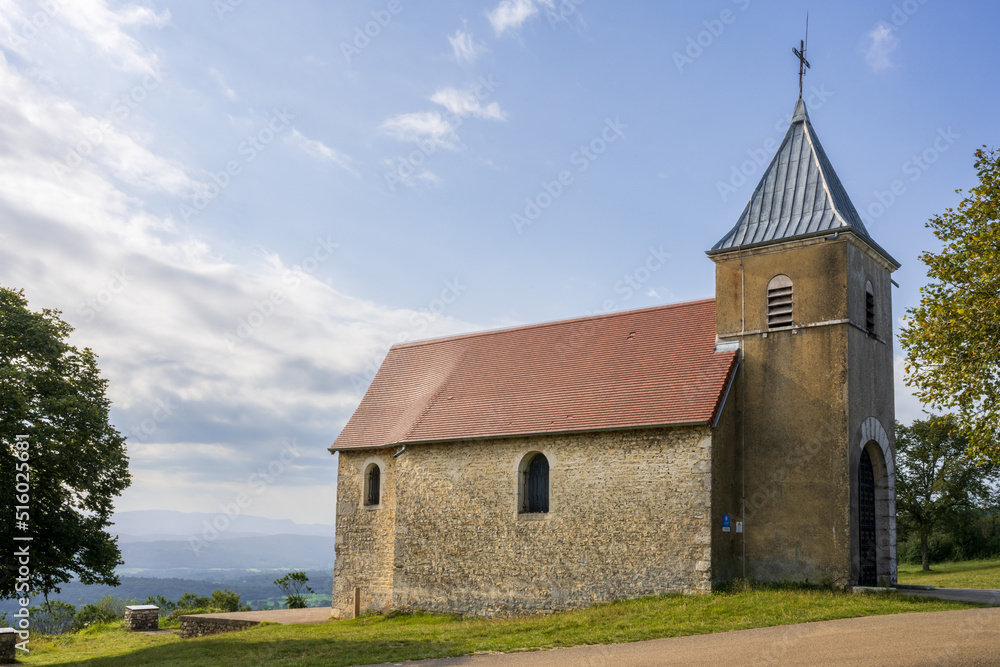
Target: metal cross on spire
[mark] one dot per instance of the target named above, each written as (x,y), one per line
(801,54)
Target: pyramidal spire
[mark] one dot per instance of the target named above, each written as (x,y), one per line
(798,196)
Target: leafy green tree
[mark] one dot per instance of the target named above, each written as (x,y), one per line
(952,339)
(70,467)
(293,585)
(228,601)
(936,480)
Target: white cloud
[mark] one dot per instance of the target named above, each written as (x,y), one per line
(509,15)
(439,129)
(226,90)
(165,308)
(417,178)
(93,22)
(321,151)
(464,103)
(465,48)
(105,28)
(422,126)
(882,44)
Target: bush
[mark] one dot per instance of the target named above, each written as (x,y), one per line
(219,601)
(226,600)
(92,614)
(55,617)
(293,585)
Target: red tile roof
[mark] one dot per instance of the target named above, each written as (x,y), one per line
(655,366)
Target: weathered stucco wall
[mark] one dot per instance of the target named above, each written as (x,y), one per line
(629,515)
(727,488)
(797,433)
(872,397)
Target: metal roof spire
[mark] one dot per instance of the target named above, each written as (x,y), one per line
(801,54)
(798,196)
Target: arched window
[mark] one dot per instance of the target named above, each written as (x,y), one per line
(373,483)
(869,308)
(535,484)
(779,302)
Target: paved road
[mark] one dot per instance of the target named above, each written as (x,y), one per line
(983,596)
(962,638)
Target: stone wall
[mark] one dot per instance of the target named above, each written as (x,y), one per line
(629,516)
(8,645)
(142,617)
(199,625)
(365,535)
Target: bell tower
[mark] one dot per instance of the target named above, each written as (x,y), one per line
(804,292)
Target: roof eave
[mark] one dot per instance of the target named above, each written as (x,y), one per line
(399,443)
(811,235)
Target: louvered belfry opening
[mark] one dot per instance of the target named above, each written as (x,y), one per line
(536,485)
(779,302)
(869,309)
(372,484)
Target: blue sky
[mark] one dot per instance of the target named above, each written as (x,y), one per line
(241,205)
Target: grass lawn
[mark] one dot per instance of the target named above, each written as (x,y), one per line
(389,638)
(963,574)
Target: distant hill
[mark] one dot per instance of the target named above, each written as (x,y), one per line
(253,587)
(172,558)
(169,525)
(188,545)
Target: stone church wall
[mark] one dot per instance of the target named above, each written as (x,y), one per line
(365,535)
(629,516)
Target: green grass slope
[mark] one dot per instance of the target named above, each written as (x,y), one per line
(394,638)
(963,574)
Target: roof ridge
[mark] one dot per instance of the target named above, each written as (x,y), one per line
(539,325)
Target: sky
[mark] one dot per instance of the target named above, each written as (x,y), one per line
(240,205)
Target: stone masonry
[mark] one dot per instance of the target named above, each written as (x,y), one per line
(8,641)
(142,617)
(630,515)
(202,625)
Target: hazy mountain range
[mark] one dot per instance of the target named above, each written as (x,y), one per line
(168,525)
(164,543)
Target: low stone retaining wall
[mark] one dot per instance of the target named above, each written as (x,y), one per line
(142,617)
(8,637)
(200,625)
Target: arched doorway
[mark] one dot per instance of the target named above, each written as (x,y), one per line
(873,507)
(867,524)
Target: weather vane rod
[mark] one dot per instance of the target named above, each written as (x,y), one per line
(801,54)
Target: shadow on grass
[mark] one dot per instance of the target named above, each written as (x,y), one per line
(222,650)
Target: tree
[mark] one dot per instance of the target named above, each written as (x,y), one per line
(952,339)
(57,484)
(293,585)
(936,480)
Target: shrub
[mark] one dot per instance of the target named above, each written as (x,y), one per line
(55,617)
(293,585)
(226,600)
(93,614)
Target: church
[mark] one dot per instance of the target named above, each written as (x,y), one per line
(662,450)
